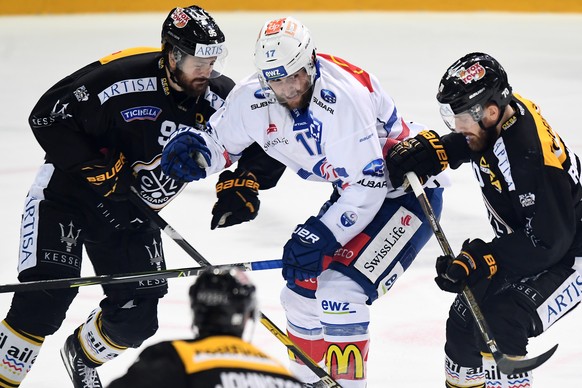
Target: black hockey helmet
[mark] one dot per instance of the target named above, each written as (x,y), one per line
(194,31)
(222,301)
(471,82)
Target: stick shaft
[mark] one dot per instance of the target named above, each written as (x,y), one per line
(279,334)
(131,277)
(446,248)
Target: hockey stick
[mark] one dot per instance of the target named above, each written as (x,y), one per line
(276,331)
(506,364)
(166,228)
(300,354)
(131,277)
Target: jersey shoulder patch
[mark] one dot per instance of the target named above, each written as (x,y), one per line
(127,53)
(361,75)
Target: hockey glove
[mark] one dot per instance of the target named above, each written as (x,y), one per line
(303,254)
(424,154)
(111,177)
(185,156)
(238,199)
(475,262)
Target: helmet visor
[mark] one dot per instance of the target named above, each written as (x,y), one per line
(209,61)
(462,120)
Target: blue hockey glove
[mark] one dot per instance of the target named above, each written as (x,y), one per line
(185,156)
(475,262)
(303,254)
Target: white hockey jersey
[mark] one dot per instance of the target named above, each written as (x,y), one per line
(341,138)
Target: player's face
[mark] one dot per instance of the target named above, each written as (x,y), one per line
(193,73)
(467,124)
(291,91)
(478,139)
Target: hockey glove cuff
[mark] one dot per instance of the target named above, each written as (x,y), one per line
(304,252)
(185,156)
(111,177)
(238,199)
(474,263)
(424,154)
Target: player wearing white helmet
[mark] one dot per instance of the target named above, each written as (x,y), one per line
(329,121)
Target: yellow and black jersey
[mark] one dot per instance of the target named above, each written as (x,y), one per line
(530,181)
(124,102)
(212,362)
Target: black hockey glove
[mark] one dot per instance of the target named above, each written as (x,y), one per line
(474,263)
(424,154)
(111,177)
(238,199)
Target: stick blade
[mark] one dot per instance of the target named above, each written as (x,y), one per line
(511,366)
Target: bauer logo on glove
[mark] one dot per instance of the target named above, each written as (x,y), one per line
(238,199)
(305,235)
(108,174)
(423,154)
(111,177)
(304,252)
(476,262)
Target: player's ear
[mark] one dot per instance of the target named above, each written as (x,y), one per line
(171,61)
(492,111)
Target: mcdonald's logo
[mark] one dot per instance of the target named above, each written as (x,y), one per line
(340,359)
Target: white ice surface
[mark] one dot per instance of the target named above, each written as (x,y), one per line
(408,52)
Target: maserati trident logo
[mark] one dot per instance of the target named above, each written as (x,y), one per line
(154,251)
(70,239)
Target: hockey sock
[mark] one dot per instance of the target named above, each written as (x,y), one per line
(346,354)
(496,379)
(304,329)
(463,377)
(345,317)
(97,347)
(18,350)
(311,342)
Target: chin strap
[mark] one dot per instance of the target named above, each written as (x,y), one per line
(172,75)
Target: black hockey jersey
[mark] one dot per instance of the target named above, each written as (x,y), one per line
(213,362)
(124,102)
(530,181)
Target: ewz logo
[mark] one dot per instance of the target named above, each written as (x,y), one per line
(275,73)
(334,307)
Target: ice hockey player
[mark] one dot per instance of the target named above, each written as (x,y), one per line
(329,121)
(103,128)
(530,275)
(224,305)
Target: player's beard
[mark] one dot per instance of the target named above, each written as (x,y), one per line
(193,87)
(486,140)
(303,103)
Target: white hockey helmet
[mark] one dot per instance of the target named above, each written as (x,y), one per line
(284,46)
